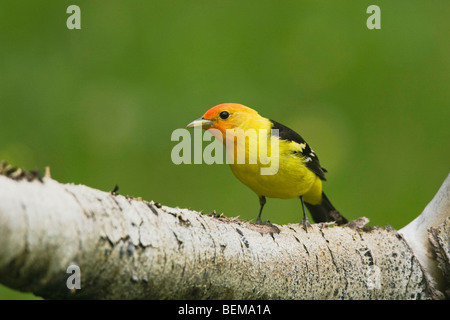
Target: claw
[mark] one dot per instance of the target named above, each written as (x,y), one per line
(305,224)
(259,221)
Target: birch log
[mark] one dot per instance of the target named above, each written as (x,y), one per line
(127,248)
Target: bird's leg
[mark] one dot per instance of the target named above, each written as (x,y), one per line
(262,201)
(304,221)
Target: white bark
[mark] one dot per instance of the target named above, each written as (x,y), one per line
(132,249)
(418,232)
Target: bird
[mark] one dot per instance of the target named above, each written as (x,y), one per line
(298,174)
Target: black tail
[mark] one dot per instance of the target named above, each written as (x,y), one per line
(325,212)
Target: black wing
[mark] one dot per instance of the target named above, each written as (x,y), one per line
(309,157)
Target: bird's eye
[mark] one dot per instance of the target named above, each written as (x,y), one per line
(224,115)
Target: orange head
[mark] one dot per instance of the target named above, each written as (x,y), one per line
(226,116)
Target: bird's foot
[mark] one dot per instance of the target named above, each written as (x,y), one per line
(259,221)
(305,223)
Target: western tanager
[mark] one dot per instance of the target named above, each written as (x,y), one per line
(298,174)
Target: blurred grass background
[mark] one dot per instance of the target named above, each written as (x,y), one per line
(98,105)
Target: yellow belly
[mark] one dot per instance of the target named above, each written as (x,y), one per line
(292,180)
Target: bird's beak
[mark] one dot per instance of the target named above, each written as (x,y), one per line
(200,123)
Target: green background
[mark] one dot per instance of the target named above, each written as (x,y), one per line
(99,105)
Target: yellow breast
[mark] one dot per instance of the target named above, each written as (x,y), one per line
(292,179)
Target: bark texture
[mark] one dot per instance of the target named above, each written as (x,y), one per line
(128,248)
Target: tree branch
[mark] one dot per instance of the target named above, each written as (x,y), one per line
(128,248)
(425,235)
